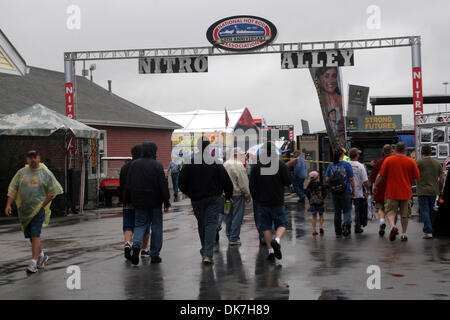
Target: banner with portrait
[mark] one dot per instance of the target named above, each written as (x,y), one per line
(327,81)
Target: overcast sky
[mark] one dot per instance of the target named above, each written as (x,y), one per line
(38,30)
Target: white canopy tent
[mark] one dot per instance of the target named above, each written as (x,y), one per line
(203,120)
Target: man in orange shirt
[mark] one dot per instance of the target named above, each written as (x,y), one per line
(399,172)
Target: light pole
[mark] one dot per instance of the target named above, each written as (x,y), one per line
(445,85)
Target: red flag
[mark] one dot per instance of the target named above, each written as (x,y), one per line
(227,120)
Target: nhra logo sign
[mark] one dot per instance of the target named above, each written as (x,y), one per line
(241,33)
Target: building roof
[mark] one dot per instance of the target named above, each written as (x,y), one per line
(11,61)
(204,120)
(95,105)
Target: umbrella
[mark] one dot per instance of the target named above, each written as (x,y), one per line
(256,150)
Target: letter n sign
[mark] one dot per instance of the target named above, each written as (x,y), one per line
(417,92)
(70,112)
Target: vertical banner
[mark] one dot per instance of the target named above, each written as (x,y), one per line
(327,82)
(417,91)
(70,109)
(357,101)
(417,87)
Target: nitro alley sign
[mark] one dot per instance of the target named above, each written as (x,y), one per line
(317,59)
(241,33)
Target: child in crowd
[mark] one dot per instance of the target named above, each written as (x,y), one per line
(316,194)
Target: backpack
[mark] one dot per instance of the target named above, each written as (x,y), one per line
(338,180)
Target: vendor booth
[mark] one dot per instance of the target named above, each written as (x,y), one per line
(50,132)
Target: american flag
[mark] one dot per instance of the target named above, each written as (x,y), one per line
(227,120)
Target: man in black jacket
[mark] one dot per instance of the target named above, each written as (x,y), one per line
(268,178)
(146,191)
(203,180)
(128,213)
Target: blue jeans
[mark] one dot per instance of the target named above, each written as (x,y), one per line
(299,187)
(207,212)
(426,205)
(342,205)
(175,184)
(358,204)
(144,219)
(234,219)
(257,218)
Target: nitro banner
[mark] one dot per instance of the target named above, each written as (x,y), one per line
(327,82)
(173,64)
(357,101)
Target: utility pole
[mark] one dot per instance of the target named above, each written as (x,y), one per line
(445,85)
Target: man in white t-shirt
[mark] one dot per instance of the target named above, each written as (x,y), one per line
(361,180)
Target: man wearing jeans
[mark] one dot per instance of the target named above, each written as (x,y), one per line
(204,180)
(146,191)
(241,194)
(361,180)
(268,178)
(174,171)
(429,186)
(339,177)
(299,175)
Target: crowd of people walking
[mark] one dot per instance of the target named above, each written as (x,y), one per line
(219,191)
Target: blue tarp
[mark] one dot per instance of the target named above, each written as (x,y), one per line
(407,139)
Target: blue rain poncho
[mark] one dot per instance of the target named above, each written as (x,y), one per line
(29,188)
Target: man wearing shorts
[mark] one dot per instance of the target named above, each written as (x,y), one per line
(267,181)
(128,213)
(379,195)
(33,189)
(398,171)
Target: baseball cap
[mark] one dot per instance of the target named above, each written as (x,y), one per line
(32,153)
(313,174)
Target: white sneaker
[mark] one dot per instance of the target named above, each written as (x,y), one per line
(32,268)
(41,261)
(427,236)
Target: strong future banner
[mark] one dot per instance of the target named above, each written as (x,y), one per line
(327,82)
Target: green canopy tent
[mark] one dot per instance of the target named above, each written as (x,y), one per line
(39,121)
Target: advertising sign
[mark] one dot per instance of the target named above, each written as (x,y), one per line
(357,101)
(173,64)
(316,59)
(327,82)
(241,33)
(375,123)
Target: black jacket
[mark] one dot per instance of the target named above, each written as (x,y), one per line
(146,186)
(123,180)
(199,181)
(268,190)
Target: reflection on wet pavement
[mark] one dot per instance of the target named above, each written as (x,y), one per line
(320,267)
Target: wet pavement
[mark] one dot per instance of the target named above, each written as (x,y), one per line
(321,267)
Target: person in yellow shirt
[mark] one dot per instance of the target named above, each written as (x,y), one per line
(33,189)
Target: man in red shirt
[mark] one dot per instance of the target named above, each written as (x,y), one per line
(399,172)
(379,196)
